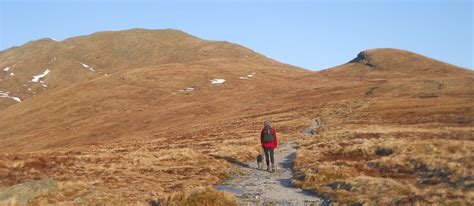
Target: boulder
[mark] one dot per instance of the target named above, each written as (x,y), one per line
(25,192)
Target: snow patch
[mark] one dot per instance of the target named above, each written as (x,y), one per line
(6,69)
(40,76)
(248,76)
(189,89)
(16,99)
(84,65)
(6,95)
(12,74)
(217,81)
(87,67)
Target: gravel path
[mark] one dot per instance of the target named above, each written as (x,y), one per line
(259,187)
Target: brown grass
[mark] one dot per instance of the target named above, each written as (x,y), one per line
(206,197)
(426,164)
(127,138)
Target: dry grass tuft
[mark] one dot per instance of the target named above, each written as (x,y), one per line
(206,196)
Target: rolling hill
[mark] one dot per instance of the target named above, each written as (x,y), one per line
(174,110)
(79,59)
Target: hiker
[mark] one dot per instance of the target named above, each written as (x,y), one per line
(269,141)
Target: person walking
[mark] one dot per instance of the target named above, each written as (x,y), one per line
(268,138)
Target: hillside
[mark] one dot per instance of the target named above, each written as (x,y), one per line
(400,133)
(79,59)
(168,122)
(143,101)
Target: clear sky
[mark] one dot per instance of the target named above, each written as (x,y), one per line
(310,34)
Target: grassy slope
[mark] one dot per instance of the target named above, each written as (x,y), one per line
(105,53)
(403,140)
(126,135)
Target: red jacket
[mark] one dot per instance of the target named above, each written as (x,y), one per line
(273,144)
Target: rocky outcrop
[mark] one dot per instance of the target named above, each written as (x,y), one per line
(363,58)
(23,193)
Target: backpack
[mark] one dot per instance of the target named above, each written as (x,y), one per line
(268,135)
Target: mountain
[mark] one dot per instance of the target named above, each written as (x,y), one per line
(175,111)
(396,63)
(79,59)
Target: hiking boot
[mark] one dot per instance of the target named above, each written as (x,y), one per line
(273,168)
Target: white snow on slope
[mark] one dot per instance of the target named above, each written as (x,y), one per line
(189,89)
(6,69)
(87,67)
(217,81)
(12,74)
(6,95)
(38,77)
(84,65)
(248,76)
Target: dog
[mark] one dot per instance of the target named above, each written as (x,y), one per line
(260,161)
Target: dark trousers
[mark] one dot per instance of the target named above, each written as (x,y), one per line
(269,155)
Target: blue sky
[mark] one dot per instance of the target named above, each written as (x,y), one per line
(310,34)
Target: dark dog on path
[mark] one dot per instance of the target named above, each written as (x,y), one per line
(260,161)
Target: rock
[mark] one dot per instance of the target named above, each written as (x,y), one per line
(154,202)
(364,58)
(382,151)
(370,91)
(309,131)
(340,185)
(316,123)
(312,130)
(78,200)
(25,192)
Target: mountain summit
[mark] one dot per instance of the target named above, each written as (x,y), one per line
(394,63)
(78,59)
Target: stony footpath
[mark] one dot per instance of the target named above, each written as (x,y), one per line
(260,187)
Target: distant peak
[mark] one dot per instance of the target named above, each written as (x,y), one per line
(370,56)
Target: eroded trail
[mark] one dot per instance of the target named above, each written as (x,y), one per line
(259,187)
